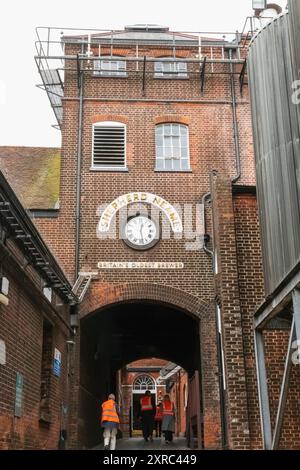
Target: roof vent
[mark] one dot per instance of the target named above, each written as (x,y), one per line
(147,27)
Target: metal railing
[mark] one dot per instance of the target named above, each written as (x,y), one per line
(204,53)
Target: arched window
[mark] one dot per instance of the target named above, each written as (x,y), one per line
(144,382)
(172,147)
(111,66)
(109,145)
(168,69)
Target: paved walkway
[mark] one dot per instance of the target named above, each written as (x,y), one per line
(138,443)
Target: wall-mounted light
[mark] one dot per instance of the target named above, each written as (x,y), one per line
(74,319)
(47,291)
(4,285)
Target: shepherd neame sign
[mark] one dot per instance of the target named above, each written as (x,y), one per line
(146,198)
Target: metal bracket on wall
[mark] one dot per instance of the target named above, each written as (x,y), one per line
(144,74)
(202,74)
(242,76)
(78,72)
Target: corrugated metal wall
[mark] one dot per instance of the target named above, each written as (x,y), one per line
(277,150)
(294,20)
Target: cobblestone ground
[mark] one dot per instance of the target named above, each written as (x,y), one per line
(138,443)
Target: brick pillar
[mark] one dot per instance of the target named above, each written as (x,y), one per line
(74,379)
(227,288)
(209,378)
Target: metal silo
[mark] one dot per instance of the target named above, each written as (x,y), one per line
(273,67)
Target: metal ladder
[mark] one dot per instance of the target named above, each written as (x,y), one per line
(81,285)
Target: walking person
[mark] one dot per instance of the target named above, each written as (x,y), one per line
(168,420)
(158,420)
(110,421)
(147,412)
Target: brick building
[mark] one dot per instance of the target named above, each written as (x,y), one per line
(36,336)
(134,379)
(158,376)
(169,136)
(157,224)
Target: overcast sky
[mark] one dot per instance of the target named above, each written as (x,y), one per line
(25,113)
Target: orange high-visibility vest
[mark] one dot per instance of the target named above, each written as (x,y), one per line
(109,412)
(146,403)
(158,414)
(168,408)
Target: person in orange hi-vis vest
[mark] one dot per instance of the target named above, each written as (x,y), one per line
(158,420)
(168,421)
(110,421)
(147,412)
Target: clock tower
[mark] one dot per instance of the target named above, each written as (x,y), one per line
(157,181)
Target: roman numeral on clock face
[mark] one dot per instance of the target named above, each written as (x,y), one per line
(140,232)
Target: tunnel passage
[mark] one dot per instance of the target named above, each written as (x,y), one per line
(120,334)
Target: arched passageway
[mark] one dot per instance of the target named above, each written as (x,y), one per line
(117,335)
(160,377)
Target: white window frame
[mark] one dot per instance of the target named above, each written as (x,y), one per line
(172,157)
(173,65)
(138,389)
(107,71)
(110,168)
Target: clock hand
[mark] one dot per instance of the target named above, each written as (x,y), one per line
(141,230)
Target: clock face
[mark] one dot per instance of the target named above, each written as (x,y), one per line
(141,233)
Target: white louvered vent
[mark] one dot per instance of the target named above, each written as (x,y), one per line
(109,145)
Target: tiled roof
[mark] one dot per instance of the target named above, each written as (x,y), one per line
(34,174)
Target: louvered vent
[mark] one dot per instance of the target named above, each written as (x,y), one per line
(109,146)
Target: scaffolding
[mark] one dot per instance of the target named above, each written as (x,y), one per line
(61,50)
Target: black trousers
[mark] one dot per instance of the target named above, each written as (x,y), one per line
(147,423)
(168,436)
(158,428)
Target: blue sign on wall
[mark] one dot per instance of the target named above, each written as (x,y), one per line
(19,394)
(57,363)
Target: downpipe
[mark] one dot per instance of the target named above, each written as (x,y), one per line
(207,195)
(78,173)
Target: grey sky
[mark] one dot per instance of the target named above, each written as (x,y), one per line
(25,113)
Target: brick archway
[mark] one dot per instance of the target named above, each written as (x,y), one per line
(100,296)
(111,336)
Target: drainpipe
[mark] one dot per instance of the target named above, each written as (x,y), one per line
(221,373)
(235,123)
(207,196)
(78,173)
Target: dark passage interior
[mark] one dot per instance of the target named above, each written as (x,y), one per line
(118,335)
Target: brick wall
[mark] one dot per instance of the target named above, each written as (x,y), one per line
(228,296)
(240,290)
(209,118)
(251,288)
(276,344)
(178,396)
(21,328)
